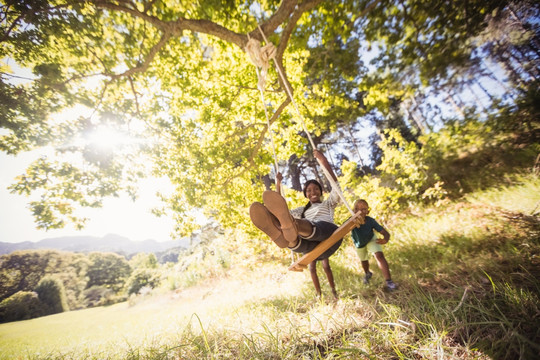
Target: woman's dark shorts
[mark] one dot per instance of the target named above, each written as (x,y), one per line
(323,230)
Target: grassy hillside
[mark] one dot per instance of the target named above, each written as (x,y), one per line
(468,289)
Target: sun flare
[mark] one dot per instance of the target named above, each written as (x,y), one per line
(107,138)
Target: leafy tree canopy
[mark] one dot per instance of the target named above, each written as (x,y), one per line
(174,83)
(170,82)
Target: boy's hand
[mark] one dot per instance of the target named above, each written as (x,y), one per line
(381,241)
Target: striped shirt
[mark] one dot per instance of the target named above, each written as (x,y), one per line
(323,211)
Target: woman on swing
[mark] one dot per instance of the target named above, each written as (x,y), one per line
(303,228)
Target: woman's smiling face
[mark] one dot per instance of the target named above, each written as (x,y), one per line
(313,193)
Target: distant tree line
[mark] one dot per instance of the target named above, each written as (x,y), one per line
(35,283)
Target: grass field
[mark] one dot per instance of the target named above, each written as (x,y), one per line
(468,289)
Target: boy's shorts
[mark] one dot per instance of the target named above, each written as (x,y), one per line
(371,247)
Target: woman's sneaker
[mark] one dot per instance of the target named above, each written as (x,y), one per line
(266,222)
(368,276)
(276,204)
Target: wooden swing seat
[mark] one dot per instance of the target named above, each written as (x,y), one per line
(340,232)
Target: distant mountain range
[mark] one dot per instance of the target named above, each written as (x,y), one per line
(107,243)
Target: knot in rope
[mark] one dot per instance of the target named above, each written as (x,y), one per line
(261,56)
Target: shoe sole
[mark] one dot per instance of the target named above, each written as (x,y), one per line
(276,204)
(262,219)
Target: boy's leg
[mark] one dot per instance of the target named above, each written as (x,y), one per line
(383,265)
(365,266)
(369,274)
(363,254)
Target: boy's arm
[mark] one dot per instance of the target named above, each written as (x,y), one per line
(386,237)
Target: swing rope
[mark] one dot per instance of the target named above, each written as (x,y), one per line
(259,57)
(276,166)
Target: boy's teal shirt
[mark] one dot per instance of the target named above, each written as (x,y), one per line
(363,234)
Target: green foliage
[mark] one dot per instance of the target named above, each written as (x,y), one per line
(52,295)
(107,269)
(22,271)
(22,305)
(420,43)
(405,177)
(402,166)
(142,278)
(472,153)
(176,81)
(212,258)
(143,261)
(98,296)
(382,200)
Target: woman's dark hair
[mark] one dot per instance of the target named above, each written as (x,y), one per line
(308,205)
(312,182)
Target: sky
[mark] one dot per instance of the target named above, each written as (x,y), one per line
(119,216)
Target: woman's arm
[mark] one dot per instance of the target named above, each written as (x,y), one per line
(324,162)
(279,177)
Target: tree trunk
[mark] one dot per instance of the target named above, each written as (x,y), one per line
(457,109)
(492,76)
(268,182)
(477,100)
(294,173)
(423,121)
(484,90)
(353,140)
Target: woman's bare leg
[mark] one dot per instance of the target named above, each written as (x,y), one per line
(328,270)
(314,277)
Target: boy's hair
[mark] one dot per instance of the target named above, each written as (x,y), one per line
(358,201)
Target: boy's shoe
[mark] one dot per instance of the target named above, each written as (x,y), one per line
(368,276)
(261,218)
(390,285)
(276,204)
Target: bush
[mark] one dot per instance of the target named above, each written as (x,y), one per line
(22,305)
(52,295)
(98,296)
(142,278)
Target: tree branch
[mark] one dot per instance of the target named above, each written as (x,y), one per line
(274,117)
(284,40)
(144,66)
(257,147)
(278,18)
(291,24)
(177,27)
(135,95)
(366,10)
